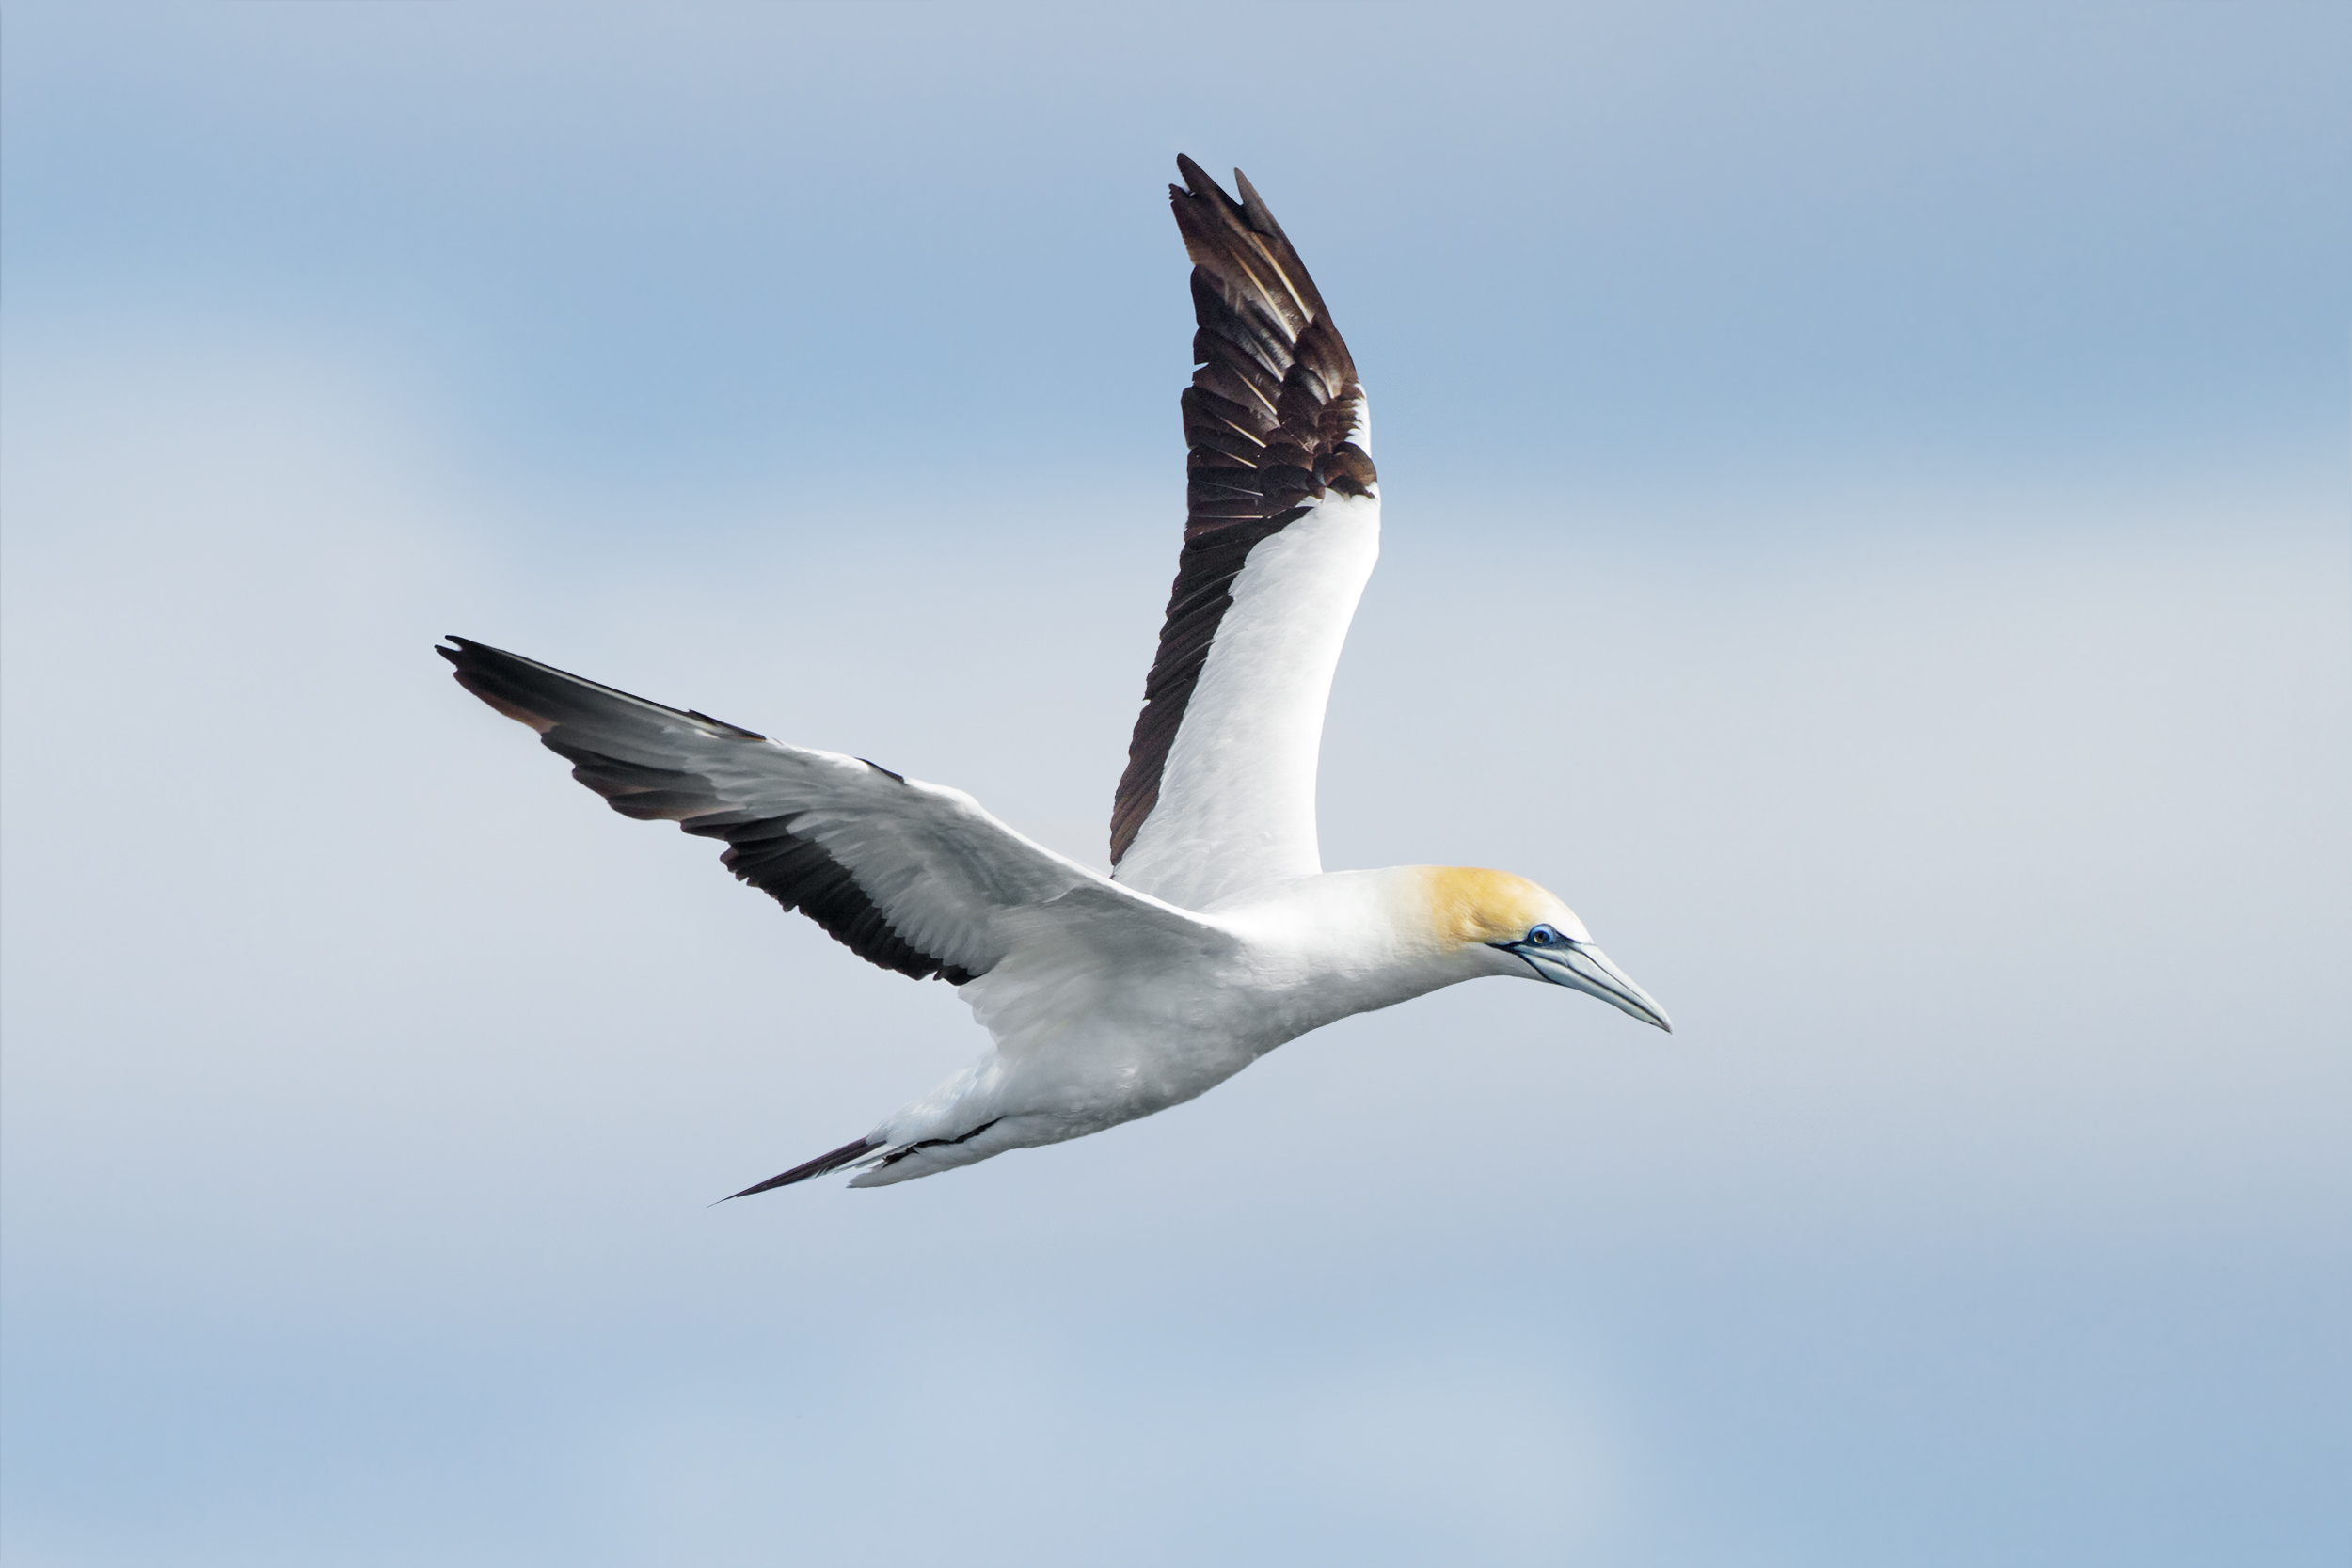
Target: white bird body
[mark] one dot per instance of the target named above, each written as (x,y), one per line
(1219,935)
(1089,1038)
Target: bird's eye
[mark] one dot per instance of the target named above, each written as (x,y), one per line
(1543,936)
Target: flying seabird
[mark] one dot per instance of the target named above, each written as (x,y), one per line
(1219,935)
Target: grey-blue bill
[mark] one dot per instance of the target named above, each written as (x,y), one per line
(1583,967)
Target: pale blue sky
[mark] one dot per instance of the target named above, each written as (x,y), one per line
(1867,494)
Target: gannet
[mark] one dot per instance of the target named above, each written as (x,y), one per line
(1217,935)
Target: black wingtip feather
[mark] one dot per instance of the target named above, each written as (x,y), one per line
(519,678)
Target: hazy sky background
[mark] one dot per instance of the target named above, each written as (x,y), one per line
(1867,494)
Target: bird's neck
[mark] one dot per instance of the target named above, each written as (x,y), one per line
(1348,941)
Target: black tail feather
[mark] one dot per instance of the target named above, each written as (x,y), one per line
(848,1154)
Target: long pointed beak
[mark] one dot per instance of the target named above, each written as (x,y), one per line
(1580,966)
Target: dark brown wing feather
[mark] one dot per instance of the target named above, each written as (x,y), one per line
(1267,419)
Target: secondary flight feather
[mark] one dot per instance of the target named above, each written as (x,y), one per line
(1219,935)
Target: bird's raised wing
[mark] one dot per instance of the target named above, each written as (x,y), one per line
(907,875)
(1282,525)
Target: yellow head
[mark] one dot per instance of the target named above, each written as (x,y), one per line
(1469,904)
(1528,932)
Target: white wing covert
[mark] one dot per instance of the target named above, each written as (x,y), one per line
(1282,526)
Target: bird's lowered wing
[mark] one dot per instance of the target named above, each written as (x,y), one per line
(1281,528)
(907,875)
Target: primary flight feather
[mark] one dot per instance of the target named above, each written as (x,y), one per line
(1217,935)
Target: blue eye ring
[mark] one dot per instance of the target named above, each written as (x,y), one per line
(1543,936)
